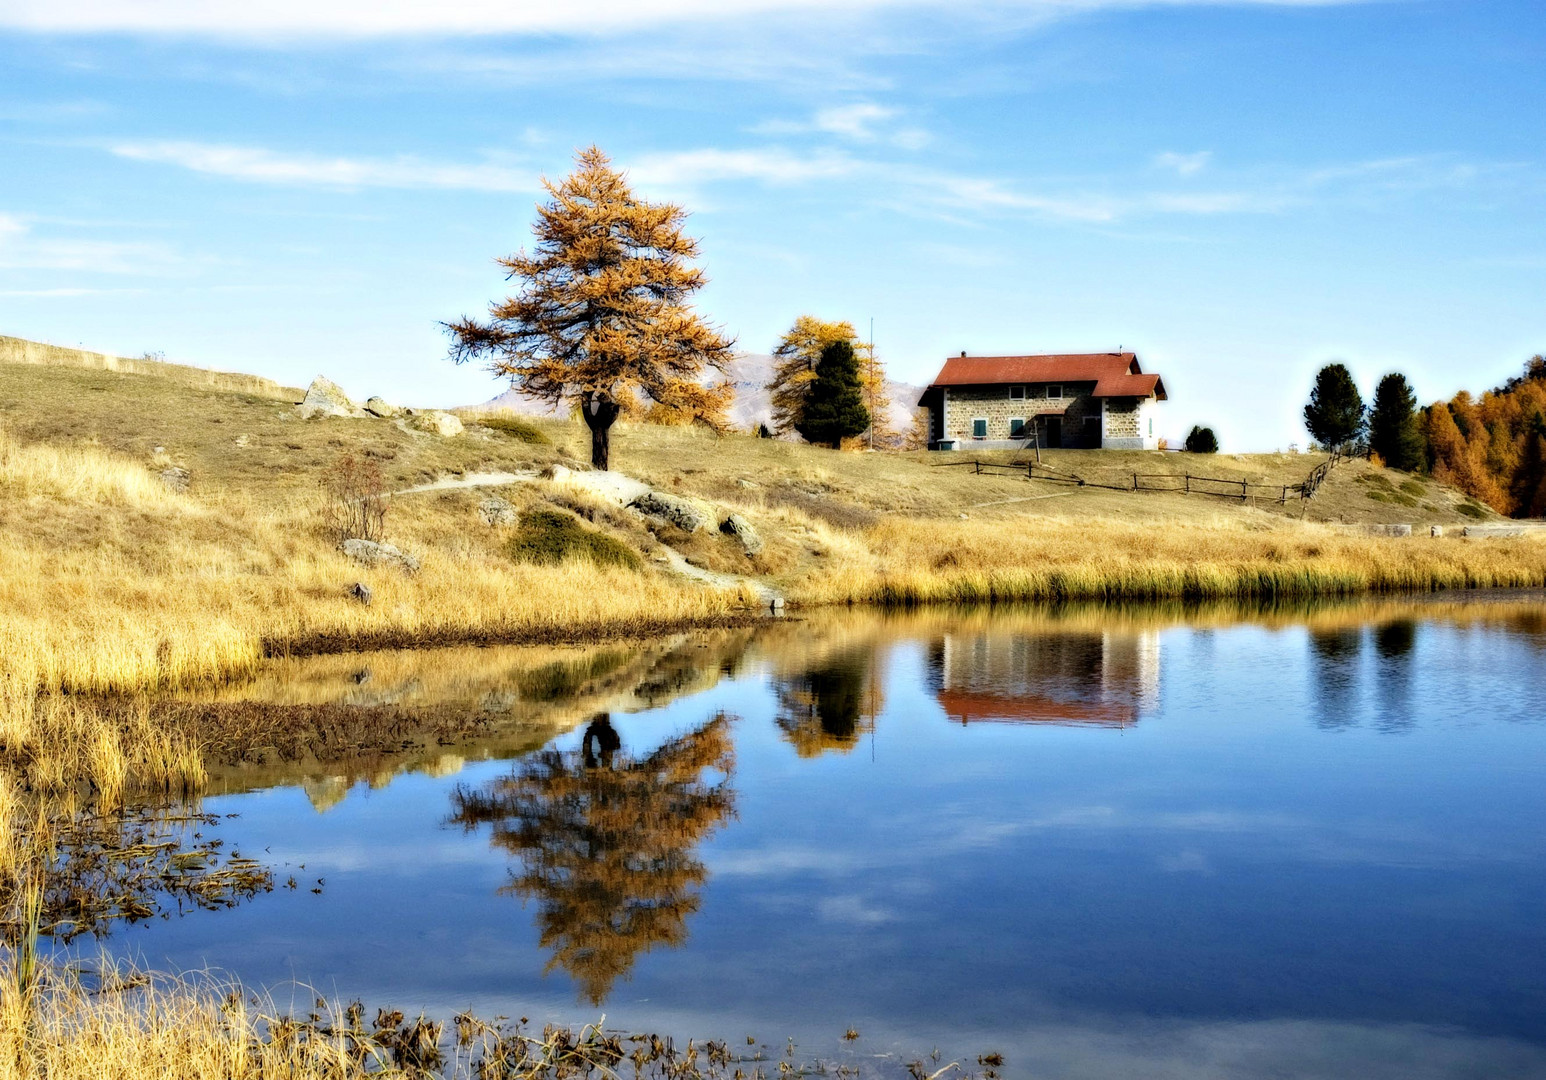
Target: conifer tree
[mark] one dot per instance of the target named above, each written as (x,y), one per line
(1393,430)
(1529,487)
(1201,440)
(872,384)
(602,314)
(834,403)
(796,355)
(1335,413)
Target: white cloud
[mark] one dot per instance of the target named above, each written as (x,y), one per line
(367,18)
(853,121)
(768,166)
(272,167)
(22,249)
(1183,164)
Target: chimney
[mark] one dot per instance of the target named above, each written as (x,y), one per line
(963,352)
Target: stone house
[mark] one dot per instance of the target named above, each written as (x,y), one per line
(1076,400)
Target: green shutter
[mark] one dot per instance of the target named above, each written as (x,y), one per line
(979,429)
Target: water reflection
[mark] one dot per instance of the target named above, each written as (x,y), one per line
(831,705)
(1106,679)
(607,842)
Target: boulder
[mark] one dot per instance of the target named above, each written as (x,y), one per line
(1494,530)
(361,592)
(1436,530)
(377,407)
(372,553)
(324,397)
(737,526)
(437,423)
(613,487)
(672,509)
(176,478)
(496,511)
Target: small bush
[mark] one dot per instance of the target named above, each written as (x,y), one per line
(357,506)
(1415,487)
(1471,510)
(518,429)
(1201,440)
(548,537)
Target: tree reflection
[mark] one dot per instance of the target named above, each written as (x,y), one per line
(1335,654)
(607,843)
(830,706)
(1393,642)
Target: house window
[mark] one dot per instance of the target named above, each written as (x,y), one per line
(1054,392)
(1017,427)
(1034,391)
(1017,393)
(980,427)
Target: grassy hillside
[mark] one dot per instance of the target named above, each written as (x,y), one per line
(113,581)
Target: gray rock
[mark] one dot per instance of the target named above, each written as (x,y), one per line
(361,592)
(241,442)
(176,478)
(437,423)
(1480,531)
(672,509)
(324,397)
(1436,530)
(371,553)
(377,407)
(737,526)
(615,488)
(496,511)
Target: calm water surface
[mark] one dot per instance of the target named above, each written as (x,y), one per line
(1102,844)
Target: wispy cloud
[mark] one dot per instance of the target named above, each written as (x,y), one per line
(265,166)
(860,122)
(367,18)
(769,166)
(22,249)
(1183,164)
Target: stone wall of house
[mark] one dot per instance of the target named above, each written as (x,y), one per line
(1122,418)
(967,403)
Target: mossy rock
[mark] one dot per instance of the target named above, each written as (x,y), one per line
(516,428)
(548,537)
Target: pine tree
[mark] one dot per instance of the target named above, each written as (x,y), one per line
(797,354)
(1393,430)
(603,311)
(1335,413)
(1529,487)
(834,402)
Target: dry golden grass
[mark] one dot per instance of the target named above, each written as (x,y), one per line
(1056,560)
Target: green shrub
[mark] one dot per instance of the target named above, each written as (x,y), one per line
(1471,510)
(1415,487)
(1202,440)
(549,537)
(517,428)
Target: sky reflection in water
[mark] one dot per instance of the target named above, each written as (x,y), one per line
(1100,845)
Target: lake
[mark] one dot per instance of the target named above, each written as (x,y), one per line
(1157,842)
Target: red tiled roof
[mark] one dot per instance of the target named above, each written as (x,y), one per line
(1114,374)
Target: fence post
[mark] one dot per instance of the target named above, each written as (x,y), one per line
(1243,495)
(978,467)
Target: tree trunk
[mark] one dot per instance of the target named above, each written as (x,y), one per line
(600,413)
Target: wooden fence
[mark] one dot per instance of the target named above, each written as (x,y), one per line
(1185,483)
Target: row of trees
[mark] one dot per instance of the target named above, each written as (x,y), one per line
(1493,449)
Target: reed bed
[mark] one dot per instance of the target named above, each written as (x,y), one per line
(1050,560)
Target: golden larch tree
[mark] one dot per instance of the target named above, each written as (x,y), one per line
(872,383)
(796,356)
(602,315)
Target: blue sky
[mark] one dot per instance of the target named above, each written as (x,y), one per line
(1239,191)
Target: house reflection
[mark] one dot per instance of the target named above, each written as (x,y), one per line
(607,842)
(1099,679)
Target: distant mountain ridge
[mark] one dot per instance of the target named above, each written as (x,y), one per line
(749,373)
